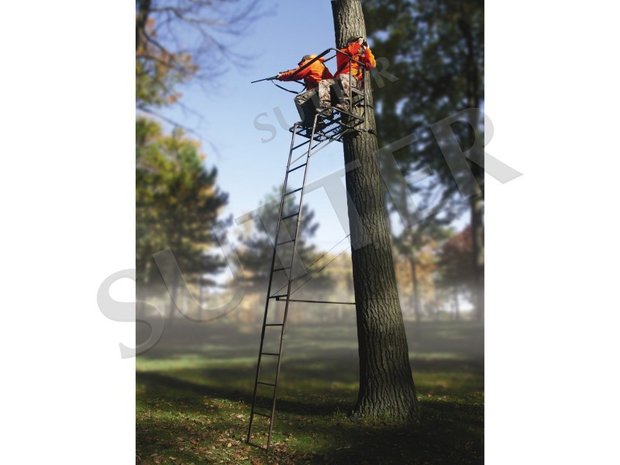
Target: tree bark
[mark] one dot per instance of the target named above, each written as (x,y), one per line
(386,388)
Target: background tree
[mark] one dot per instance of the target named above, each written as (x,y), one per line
(182,40)
(416,273)
(177,203)
(453,260)
(386,383)
(436,49)
(256,243)
(178,41)
(424,210)
(314,272)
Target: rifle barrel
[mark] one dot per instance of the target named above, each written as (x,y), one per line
(271,78)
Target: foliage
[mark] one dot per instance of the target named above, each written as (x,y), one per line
(436,49)
(177,42)
(256,243)
(455,258)
(177,202)
(181,40)
(416,271)
(425,210)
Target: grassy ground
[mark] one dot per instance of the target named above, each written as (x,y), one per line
(194,390)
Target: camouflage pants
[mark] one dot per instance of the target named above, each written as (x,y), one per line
(338,89)
(307,102)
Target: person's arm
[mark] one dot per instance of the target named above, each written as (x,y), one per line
(340,61)
(288,75)
(343,60)
(354,48)
(295,74)
(369,59)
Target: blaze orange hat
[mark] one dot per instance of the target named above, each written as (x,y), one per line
(306,58)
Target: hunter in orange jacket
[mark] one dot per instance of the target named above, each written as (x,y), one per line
(359,50)
(311,75)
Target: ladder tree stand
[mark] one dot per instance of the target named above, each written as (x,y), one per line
(329,125)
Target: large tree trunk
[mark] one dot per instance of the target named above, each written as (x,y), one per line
(386,383)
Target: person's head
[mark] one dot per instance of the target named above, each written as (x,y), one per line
(357,39)
(357,44)
(306,58)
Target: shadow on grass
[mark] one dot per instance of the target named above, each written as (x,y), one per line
(310,386)
(447,434)
(194,392)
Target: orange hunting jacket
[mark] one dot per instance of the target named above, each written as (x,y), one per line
(311,75)
(344,63)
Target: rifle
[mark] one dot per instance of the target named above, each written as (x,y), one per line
(265,79)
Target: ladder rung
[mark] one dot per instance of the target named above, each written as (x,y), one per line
(274,324)
(281,269)
(297,167)
(300,145)
(293,191)
(290,216)
(262,414)
(265,384)
(275,354)
(277,296)
(285,242)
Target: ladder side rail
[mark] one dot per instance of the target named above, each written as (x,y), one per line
(273,259)
(290,282)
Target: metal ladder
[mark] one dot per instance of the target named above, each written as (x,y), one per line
(328,126)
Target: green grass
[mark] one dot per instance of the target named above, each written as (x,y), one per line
(194,392)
